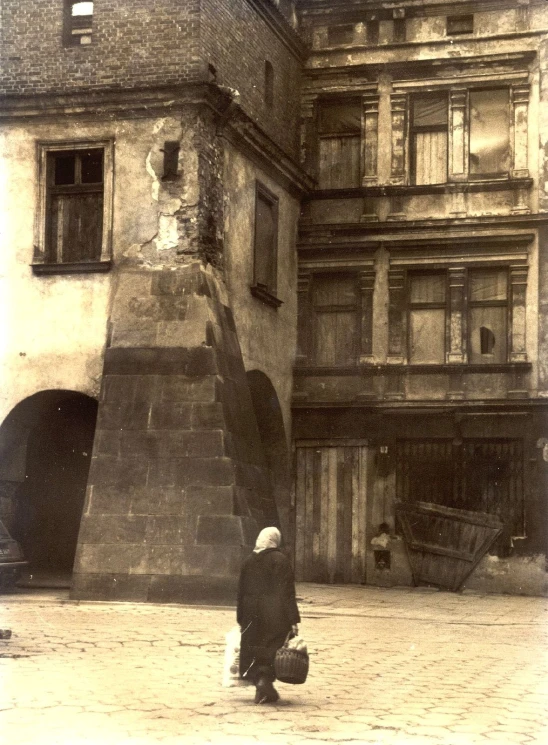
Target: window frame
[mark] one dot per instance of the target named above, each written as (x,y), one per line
(70,39)
(416,129)
(428,305)
(358,133)
(316,309)
(491,175)
(267,293)
(41,263)
(471,304)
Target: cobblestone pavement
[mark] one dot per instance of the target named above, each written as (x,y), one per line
(388,667)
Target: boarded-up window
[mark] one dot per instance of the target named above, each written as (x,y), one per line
(78,23)
(335,320)
(478,475)
(429,139)
(266,240)
(489,132)
(74,221)
(427,307)
(340,145)
(488,315)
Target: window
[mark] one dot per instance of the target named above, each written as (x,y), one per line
(486,309)
(427,311)
(489,132)
(75,206)
(340,130)
(266,246)
(460,24)
(78,23)
(335,304)
(488,315)
(268,84)
(372,32)
(429,118)
(337,35)
(400,29)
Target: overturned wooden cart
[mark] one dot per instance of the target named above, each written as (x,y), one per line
(444,544)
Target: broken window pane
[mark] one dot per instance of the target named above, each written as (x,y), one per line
(488,332)
(335,326)
(489,132)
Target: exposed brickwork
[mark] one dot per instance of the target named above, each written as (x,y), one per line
(142,43)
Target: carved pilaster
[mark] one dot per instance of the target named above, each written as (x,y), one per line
(518,288)
(396,316)
(456,331)
(458,135)
(304,319)
(366,286)
(308,135)
(370,139)
(399,115)
(520,105)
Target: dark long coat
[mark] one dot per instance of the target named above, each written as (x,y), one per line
(267,609)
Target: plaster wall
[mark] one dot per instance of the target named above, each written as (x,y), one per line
(267,335)
(55,327)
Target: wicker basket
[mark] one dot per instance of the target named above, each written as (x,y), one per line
(290,665)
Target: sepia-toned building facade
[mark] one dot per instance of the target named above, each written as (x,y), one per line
(281,262)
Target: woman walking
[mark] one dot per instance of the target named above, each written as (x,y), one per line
(267,612)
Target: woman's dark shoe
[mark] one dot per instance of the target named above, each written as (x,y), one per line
(265,692)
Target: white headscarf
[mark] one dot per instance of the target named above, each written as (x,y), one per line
(267,538)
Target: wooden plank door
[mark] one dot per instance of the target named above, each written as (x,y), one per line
(330,512)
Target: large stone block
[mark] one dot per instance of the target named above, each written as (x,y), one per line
(226,530)
(123,413)
(121,472)
(167,529)
(166,560)
(180,388)
(160,361)
(107,557)
(214,500)
(193,590)
(207,416)
(112,529)
(205,472)
(157,501)
(109,500)
(171,415)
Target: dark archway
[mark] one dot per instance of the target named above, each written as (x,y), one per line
(50,437)
(268,414)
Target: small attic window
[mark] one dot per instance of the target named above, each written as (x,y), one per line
(78,23)
(337,35)
(461,24)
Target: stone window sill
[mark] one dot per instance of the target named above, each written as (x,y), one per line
(265,296)
(77,267)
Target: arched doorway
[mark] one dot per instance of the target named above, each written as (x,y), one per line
(50,437)
(268,414)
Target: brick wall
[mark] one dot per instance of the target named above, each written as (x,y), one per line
(237,42)
(135,43)
(141,43)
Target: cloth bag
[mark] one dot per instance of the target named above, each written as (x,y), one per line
(231,667)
